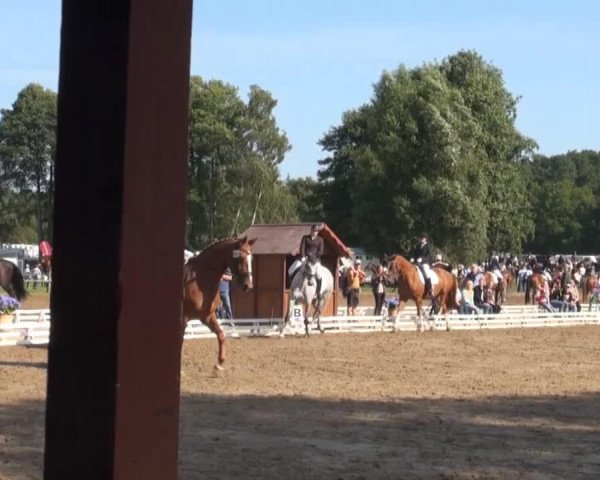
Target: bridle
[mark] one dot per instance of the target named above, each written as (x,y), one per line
(237,254)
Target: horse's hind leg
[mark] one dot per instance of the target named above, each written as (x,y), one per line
(285,321)
(306,329)
(213,324)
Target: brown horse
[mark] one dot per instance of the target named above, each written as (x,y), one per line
(508,277)
(201,279)
(11,280)
(532,285)
(588,286)
(410,286)
(499,287)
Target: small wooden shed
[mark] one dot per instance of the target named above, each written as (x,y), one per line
(276,248)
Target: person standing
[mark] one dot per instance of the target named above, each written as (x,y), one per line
(224,290)
(355,278)
(378,283)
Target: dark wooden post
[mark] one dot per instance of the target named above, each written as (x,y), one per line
(119,221)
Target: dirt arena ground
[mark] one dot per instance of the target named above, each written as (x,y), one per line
(440,405)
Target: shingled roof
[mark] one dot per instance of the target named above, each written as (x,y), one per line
(285,239)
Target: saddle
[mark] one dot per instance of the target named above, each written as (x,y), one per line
(432,275)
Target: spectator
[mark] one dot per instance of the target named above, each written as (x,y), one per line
(556,297)
(478,290)
(467,303)
(225,311)
(36,274)
(543,298)
(488,299)
(378,283)
(355,278)
(572,298)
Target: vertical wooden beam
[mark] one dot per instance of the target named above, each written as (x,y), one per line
(119,221)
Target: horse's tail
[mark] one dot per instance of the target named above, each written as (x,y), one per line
(18,284)
(587,283)
(451,300)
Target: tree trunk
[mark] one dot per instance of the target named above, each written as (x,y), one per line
(38,209)
(260,192)
(212,202)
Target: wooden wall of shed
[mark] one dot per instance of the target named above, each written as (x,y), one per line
(269,298)
(265,300)
(269,286)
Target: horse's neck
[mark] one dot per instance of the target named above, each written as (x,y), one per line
(408,272)
(211,263)
(404,264)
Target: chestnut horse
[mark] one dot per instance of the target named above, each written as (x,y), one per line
(533,283)
(588,286)
(201,279)
(499,287)
(11,280)
(410,286)
(508,276)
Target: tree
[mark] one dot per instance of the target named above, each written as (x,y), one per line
(27,150)
(235,151)
(306,192)
(565,192)
(431,153)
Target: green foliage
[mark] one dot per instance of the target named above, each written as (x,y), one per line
(235,150)
(27,152)
(565,193)
(307,195)
(436,151)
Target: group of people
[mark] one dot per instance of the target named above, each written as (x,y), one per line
(474,297)
(556,299)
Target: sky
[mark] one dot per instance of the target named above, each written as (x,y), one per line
(320,58)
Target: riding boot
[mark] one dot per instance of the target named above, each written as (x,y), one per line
(428,288)
(429,291)
(318,289)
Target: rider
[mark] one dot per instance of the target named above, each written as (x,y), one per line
(439,263)
(311,250)
(494,264)
(422,255)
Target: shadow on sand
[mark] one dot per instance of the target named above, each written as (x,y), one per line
(545,437)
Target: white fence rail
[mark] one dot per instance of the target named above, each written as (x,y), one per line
(32,327)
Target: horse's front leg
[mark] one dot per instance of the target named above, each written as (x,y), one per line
(420,326)
(213,324)
(306,328)
(285,320)
(318,317)
(401,305)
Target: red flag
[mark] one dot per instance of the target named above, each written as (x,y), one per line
(45,249)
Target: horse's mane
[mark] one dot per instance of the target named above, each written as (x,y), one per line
(189,272)
(214,244)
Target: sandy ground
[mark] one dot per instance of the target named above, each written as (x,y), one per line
(440,405)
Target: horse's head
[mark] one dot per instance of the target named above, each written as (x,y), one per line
(241,262)
(393,269)
(310,268)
